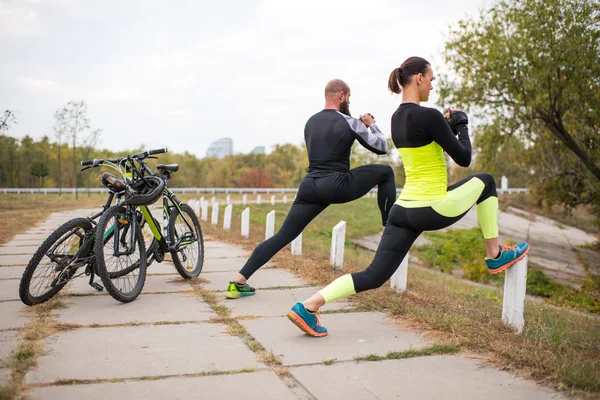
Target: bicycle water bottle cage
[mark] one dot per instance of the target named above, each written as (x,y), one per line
(145,191)
(112,182)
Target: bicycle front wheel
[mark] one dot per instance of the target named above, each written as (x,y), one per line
(188,257)
(56,261)
(120,254)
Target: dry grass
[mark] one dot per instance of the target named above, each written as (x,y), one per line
(558,348)
(24,211)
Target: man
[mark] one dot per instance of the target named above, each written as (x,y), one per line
(329,136)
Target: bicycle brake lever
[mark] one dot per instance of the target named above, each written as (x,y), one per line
(152,157)
(83,169)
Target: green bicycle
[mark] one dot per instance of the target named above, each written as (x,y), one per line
(181,235)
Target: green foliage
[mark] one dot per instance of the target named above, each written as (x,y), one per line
(538,283)
(530,70)
(458,249)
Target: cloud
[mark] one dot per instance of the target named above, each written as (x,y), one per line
(38,84)
(18,20)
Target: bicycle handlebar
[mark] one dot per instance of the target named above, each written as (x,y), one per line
(138,156)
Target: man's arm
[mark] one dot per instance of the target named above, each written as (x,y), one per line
(372,139)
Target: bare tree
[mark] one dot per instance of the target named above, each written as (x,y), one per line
(6,120)
(77,123)
(88,143)
(60,132)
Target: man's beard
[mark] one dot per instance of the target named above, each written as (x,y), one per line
(345,108)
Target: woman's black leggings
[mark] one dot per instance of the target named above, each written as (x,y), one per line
(405,224)
(315,194)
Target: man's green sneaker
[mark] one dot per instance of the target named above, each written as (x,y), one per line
(235,290)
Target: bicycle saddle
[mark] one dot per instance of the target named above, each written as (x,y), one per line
(112,182)
(170,167)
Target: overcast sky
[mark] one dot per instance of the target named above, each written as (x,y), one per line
(182,74)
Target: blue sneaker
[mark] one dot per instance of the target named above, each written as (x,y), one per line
(509,255)
(308,322)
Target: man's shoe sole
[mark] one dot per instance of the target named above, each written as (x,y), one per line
(299,322)
(510,264)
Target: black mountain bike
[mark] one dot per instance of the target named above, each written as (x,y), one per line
(181,235)
(72,246)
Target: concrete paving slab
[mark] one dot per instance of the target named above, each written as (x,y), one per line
(9,289)
(28,236)
(8,341)
(350,335)
(18,259)
(29,250)
(19,243)
(225,252)
(150,350)
(154,283)
(271,277)
(11,316)
(11,272)
(256,385)
(435,377)
(276,303)
(146,308)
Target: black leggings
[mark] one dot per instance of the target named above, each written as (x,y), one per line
(404,227)
(315,194)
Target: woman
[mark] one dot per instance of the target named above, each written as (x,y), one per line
(422,135)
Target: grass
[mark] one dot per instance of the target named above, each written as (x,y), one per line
(427,351)
(557,348)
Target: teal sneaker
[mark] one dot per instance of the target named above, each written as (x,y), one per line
(509,255)
(307,321)
(235,290)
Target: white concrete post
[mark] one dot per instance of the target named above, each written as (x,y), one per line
(297,245)
(400,277)
(213,200)
(272,200)
(227,217)
(201,201)
(270,228)
(258,199)
(45,191)
(205,210)
(244,199)
(338,236)
(246,222)
(284,199)
(228,200)
(504,183)
(215,214)
(513,303)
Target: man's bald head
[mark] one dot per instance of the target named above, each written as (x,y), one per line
(335,86)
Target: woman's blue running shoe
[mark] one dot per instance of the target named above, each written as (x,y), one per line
(308,322)
(509,255)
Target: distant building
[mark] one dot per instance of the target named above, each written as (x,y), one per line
(258,150)
(220,148)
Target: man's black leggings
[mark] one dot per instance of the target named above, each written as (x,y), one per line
(315,194)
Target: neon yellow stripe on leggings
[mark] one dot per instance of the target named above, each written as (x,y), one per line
(487,215)
(341,287)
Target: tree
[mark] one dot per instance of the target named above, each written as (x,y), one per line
(60,131)
(40,170)
(530,69)
(89,143)
(7,120)
(75,119)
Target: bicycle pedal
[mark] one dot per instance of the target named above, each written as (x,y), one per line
(97,286)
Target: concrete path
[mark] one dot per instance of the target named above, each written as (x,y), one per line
(170,343)
(552,244)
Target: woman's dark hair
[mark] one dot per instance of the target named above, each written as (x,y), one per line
(401,75)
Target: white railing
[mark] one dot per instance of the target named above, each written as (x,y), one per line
(199,190)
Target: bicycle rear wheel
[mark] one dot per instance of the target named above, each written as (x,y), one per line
(189,256)
(120,254)
(56,261)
